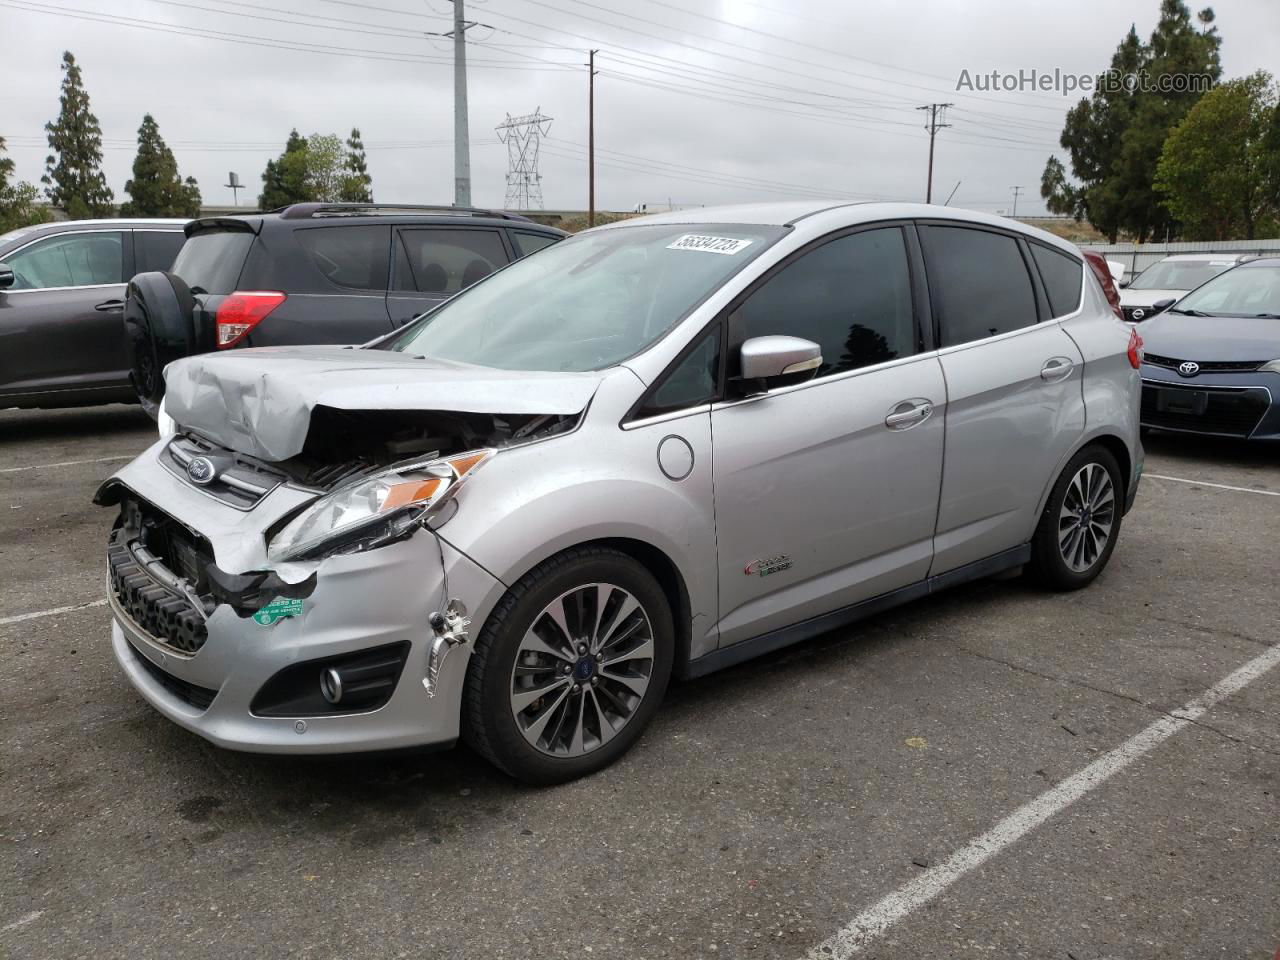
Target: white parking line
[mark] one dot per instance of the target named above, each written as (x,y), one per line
(871,923)
(18,618)
(1206,483)
(67,463)
(31,917)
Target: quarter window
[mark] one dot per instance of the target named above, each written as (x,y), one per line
(443,261)
(1061,274)
(980,283)
(690,382)
(354,257)
(75,260)
(527,243)
(156,249)
(851,296)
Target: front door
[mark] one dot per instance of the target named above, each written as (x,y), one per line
(826,493)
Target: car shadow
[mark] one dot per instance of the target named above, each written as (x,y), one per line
(18,425)
(1193,449)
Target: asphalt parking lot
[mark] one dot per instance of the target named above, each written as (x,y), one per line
(992,772)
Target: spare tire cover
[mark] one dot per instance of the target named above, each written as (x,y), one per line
(159,328)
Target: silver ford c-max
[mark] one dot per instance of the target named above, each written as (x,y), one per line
(662,446)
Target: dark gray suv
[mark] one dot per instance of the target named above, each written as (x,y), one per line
(62,288)
(313,273)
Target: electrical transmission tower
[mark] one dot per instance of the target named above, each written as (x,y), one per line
(523,136)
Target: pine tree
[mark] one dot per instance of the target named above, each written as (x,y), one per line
(357,186)
(73,178)
(157,189)
(285,179)
(18,206)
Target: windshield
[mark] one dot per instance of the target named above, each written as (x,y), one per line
(588,302)
(1250,291)
(1179,274)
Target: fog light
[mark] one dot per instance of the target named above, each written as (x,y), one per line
(331,685)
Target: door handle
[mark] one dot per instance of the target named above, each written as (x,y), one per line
(908,413)
(1056,368)
(107,306)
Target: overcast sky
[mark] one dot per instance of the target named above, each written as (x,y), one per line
(697,101)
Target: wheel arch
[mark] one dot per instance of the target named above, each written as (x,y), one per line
(1109,441)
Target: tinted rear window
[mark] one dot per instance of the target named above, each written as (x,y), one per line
(354,257)
(212,260)
(981,283)
(155,249)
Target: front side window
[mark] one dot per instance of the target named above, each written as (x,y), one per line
(979,281)
(851,296)
(1246,291)
(72,260)
(1061,275)
(443,261)
(588,302)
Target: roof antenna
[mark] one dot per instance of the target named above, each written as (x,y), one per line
(953,193)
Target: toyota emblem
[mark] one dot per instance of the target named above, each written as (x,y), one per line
(1189,369)
(202,471)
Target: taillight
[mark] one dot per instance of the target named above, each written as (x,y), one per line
(241,311)
(1135,349)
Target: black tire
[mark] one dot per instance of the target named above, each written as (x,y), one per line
(1048,565)
(158,328)
(488,722)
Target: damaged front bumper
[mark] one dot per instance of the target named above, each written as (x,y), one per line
(359,626)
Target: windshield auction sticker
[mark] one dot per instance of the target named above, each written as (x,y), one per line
(727,246)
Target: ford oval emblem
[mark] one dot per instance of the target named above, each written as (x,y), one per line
(201,471)
(1189,369)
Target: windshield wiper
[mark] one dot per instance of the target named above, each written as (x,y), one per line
(1188,313)
(1267,316)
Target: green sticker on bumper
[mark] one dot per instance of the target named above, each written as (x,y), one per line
(278,609)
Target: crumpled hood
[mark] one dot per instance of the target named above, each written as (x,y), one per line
(1209,339)
(259,401)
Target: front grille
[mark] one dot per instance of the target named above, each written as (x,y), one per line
(1229,412)
(163,614)
(240,482)
(188,693)
(1206,366)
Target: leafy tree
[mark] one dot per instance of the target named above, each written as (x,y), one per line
(157,189)
(73,178)
(285,179)
(357,185)
(18,206)
(326,167)
(1219,170)
(1114,137)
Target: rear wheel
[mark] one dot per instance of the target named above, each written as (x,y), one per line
(1081,521)
(570,667)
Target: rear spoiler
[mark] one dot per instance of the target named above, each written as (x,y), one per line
(247,224)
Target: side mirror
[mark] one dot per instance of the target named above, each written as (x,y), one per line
(6,276)
(1160,306)
(777,360)
(1122,284)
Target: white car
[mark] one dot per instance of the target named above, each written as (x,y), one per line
(1170,279)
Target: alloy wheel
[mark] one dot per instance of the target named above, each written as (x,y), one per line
(1087,517)
(581,670)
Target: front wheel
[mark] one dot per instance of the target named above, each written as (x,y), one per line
(1081,522)
(570,667)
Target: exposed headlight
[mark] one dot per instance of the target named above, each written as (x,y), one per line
(164,422)
(1272,367)
(374,510)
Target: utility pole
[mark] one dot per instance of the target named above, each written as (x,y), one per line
(1016,191)
(591,138)
(461,135)
(937,113)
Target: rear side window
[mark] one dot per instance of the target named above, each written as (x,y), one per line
(354,257)
(211,260)
(980,283)
(527,243)
(851,296)
(70,260)
(443,261)
(156,249)
(1062,278)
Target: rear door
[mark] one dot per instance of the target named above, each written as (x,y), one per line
(1015,405)
(60,323)
(431,264)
